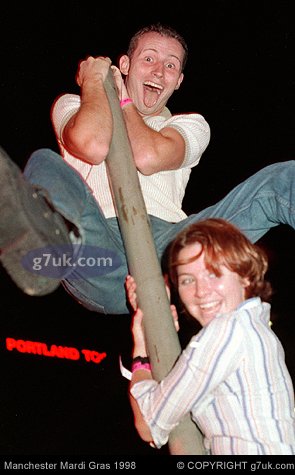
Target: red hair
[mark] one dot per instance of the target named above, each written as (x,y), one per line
(223,244)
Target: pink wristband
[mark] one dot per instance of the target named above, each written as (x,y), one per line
(124,102)
(138,365)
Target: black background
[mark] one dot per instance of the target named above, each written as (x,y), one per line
(240,76)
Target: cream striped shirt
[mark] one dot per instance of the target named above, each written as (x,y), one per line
(163,192)
(233,379)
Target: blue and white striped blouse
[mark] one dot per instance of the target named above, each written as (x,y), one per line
(233,379)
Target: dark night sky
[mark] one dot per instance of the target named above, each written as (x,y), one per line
(240,76)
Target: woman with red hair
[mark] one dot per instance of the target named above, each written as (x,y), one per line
(232,375)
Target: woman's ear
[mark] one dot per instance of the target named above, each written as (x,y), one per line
(246,283)
(124,64)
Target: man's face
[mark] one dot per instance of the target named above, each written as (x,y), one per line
(154,72)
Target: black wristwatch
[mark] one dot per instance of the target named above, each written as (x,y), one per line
(141,359)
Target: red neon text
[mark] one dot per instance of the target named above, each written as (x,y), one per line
(57,351)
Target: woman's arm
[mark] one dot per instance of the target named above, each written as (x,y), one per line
(139,350)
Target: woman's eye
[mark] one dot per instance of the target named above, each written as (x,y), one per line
(186,281)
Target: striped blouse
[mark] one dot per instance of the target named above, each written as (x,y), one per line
(233,379)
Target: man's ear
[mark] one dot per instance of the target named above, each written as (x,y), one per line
(124,64)
(180,79)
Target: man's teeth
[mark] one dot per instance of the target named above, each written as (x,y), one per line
(154,86)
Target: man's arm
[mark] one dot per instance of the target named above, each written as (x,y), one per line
(88,133)
(153,151)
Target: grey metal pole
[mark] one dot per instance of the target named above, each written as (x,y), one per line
(161,337)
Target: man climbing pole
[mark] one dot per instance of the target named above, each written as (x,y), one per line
(66,200)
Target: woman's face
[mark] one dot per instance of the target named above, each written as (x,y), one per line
(203,293)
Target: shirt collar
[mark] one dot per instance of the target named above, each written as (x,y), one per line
(249,303)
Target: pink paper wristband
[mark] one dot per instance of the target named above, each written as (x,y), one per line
(124,102)
(138,365)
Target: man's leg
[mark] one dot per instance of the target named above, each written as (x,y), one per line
(27,223)
(263,201)
(91,264)
(97,280)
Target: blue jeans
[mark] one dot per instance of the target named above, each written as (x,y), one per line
(261,202)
